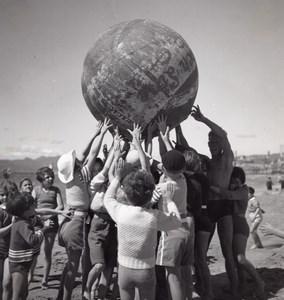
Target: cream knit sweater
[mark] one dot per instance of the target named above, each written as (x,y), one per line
(137,229)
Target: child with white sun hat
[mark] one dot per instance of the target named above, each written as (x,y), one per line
(75,174)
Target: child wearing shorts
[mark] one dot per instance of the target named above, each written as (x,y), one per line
(47,195)
(137,229)
(102,237)
(75,173)
(22,242)
(175,250)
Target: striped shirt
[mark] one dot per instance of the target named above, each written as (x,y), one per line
(24,241)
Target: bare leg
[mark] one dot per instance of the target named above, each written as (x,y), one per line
(69,274)
(239,246)
(86,260)
(187,281)
(104,282)
(255,236)
(32,269)
(225,232)
(146,294)
(127,294)
(93,275)
(20,285)
(175,282)
(7,282)
(48,246)
(202,269)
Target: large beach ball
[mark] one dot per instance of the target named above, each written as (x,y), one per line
(138,70)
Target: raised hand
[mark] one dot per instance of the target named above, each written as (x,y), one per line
(98,127)
(119,166)
(106,125)
(151,128)
(136,135)
(162,123)
(196,114)
(166,136)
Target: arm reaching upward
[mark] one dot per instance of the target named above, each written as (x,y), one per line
(216,130)
(82,156)
(96,145)
(136,141)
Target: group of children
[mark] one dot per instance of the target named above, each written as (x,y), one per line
(152,220)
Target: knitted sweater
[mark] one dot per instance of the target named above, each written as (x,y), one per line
(23,241)
(137,229)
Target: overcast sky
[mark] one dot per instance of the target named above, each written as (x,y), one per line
(238,46)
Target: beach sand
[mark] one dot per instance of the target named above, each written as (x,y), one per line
(268,261)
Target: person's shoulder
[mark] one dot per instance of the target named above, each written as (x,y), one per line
(56,189)
(37,188)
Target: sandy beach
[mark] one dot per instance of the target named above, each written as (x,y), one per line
(268,261)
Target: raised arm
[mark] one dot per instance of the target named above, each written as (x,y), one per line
(96,144)
(149,140)
(164,136)
(110,202)
(216,129)
(137,143)
(86,150)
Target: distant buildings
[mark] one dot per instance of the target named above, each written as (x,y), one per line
(262,164)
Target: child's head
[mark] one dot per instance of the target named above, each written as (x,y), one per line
(26,185)
(204,163)
(238,178)
(251,192)
(192,162)
(173,162)
(98,166)
(138,187)
(3,193)
(21,205)
(10,186)
(45,176)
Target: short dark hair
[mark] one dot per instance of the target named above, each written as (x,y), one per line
(251,190)
(173,161)
(40,173)
(238,172)
(10,186)
(18,204)
(138,187)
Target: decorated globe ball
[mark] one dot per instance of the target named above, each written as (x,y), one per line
(138,70)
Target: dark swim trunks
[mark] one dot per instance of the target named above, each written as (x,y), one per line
(240,225)
(203,223)
(218,209)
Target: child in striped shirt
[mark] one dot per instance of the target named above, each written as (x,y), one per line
(22,242)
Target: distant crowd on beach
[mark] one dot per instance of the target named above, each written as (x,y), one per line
(151,220)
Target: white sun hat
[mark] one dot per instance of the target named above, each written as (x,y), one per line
(65,165)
